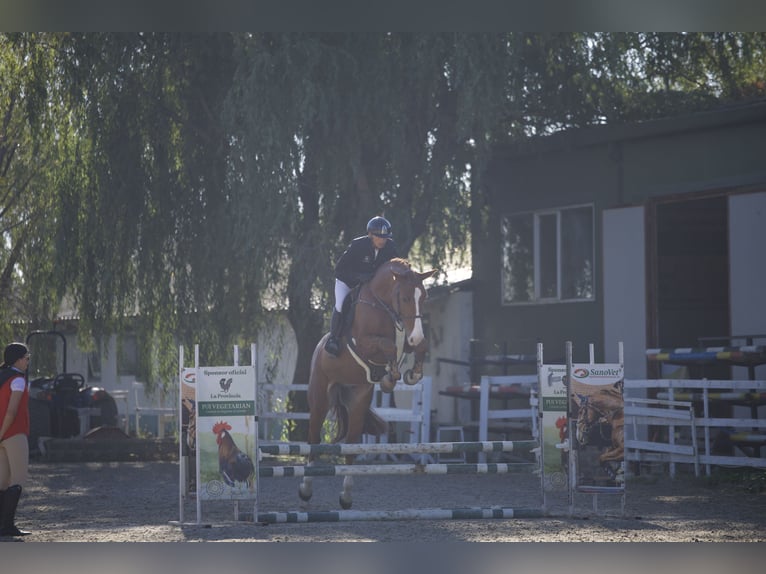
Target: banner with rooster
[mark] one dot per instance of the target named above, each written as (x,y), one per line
(553,396)
(226,433)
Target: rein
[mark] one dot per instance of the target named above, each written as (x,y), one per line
(395,314)
(378,304)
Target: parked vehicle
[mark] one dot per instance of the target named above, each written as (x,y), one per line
(54,401)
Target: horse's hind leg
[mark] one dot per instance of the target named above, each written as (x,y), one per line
(318,407)
(358,405)
(345,498)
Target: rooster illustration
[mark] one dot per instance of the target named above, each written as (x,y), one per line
(233,464)
(225,384)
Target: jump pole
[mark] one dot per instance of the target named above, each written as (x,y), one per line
(388,469)
(469,513)
(340,449)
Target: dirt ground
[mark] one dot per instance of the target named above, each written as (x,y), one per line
(139,502)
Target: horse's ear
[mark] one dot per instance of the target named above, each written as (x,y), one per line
(427,274)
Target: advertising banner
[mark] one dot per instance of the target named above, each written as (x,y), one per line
(553,394)
(596,412)
(188,411)
(226,433)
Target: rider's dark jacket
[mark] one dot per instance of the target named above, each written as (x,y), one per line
(359,262)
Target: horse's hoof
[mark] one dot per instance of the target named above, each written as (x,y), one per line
(410,378)
(345,502)
(304,494)
(386,384)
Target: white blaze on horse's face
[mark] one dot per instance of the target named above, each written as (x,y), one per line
(417,336)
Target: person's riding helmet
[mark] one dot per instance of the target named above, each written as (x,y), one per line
(379,226)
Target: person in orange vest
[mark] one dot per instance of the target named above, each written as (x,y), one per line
(14,433)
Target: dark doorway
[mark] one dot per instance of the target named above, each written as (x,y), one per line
(692,274)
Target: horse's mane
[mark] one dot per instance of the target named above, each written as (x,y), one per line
(400,261)
(397,265)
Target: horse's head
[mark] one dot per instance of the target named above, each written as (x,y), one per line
(402,289)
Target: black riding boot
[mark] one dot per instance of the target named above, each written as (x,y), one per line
(332,345)
(10,499)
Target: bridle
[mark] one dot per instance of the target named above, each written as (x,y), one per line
(395,314)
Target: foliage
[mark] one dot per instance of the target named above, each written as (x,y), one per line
(35,135)
(182,185)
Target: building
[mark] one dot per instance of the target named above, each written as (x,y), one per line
(651,234)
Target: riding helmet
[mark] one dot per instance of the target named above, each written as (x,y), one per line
(379,226)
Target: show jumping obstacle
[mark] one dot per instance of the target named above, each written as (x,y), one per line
(342,449)
(530,451)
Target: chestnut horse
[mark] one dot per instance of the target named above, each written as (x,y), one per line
(387,324)
(603,407)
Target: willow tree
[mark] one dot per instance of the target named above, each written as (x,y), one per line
(142,239)
(331,129)
(210,177)
(35,134)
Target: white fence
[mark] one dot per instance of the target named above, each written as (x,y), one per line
(684,437)
(742,434)
(272,409)
(640,413)
(415,409)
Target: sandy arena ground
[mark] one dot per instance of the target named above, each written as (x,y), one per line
(138,501)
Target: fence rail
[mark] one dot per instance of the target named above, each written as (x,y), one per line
(715,430)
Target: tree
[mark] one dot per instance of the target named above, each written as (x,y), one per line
(35,138)
(148,251)
(203,179)
(332,129)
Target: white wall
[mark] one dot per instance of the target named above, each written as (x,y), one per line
(451,329)
(747,275)
(624,290)
(277,350)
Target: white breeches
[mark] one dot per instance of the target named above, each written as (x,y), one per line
(341,290)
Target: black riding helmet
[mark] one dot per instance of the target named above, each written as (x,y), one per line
(379,226)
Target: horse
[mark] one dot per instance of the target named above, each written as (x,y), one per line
(603,407)
(386,325)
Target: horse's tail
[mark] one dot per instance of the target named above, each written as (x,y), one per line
(339,412)
(372,424)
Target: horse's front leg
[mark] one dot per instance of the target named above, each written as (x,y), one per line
(414,374)
(617,452)
(382,347)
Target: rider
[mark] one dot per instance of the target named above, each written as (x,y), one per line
(357,265)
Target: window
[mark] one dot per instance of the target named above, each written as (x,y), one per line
(548,256)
